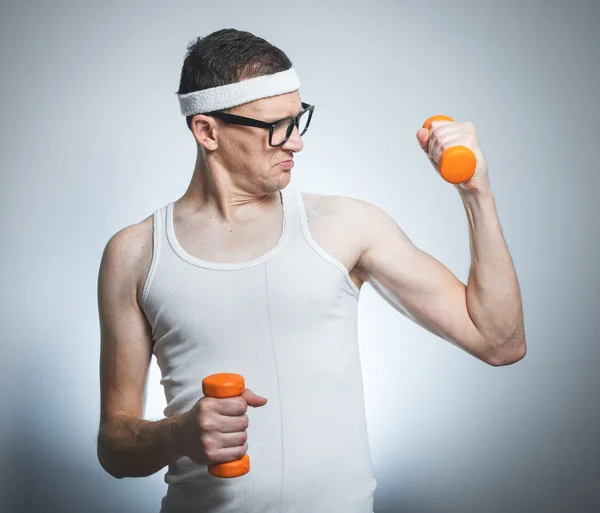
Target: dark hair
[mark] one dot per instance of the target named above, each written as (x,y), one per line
(227,56)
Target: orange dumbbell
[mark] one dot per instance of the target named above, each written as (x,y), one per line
(457,164)
(226,385)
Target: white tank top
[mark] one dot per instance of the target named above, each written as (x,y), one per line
(287,322)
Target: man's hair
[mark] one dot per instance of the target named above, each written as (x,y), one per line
(228,56)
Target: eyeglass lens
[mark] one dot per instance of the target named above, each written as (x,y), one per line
(283,130)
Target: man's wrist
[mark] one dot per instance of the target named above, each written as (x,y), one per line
(175,431)
(476,192)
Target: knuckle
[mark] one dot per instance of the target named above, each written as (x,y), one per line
(212,455)
(246,422)
(206,442)
(448,142)
(204,405)
(206,424)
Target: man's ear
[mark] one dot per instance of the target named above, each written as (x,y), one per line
(204,129)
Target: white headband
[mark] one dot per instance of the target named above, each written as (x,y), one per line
(238,93)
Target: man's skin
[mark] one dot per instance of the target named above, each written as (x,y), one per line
(231,212)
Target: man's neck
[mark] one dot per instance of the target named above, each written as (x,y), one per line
(212,190)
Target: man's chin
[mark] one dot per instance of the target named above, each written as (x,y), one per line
(276,183)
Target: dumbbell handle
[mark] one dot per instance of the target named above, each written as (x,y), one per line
(457,163)
(220,386)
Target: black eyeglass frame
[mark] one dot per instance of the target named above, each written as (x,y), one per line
(244,121)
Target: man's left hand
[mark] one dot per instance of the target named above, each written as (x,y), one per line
(444,134)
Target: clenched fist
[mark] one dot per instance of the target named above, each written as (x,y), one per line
(214,430)
(445,134)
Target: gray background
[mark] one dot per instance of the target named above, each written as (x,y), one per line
(92,141)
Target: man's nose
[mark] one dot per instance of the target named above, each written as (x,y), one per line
(294,143)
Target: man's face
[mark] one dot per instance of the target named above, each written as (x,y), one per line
(245,151)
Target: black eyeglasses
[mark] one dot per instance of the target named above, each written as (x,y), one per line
(279,131)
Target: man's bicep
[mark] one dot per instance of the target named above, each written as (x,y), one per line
(418,285)
(126,343)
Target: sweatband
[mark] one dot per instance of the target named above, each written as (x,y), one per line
(238,93)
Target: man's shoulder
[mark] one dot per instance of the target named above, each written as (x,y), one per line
(133,237)
(344,206)
(129,250)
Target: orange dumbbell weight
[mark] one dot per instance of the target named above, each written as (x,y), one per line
(220,386)
(457,163)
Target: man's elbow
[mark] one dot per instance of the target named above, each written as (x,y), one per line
(503,356)
(105,463)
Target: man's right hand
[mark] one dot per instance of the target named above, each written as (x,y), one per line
(214,430)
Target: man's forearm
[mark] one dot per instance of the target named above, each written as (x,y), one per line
(493,293)
(130,447)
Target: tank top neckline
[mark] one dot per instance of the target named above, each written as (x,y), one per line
(230,266)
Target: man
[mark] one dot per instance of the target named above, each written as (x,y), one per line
(244,274)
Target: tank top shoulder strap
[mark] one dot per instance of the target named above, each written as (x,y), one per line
(159,243)
(297,217)
(291,215)
(307,238)
(300,216)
